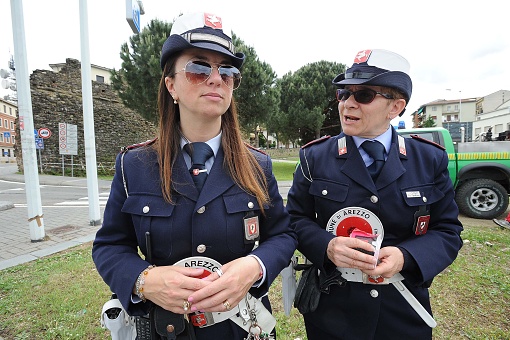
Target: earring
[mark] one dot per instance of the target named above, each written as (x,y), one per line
(175,101)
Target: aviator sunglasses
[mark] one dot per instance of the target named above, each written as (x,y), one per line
(197,72)
(363,96)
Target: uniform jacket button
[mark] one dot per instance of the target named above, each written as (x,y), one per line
(374,293)
(250,205)
(201,248)
(146,209)
(324,192)
(374,199)
(201,210)
(424,199)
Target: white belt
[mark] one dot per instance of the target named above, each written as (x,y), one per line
(240,315)
(205,319)
(356,275)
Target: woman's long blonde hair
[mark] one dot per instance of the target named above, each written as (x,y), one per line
(239,162)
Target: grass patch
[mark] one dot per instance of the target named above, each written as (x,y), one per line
(284,171)
(61,296)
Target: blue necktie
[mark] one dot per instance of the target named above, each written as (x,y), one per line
(199,152)
(375,150)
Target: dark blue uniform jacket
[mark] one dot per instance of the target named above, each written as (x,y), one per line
(212,218)
(326,182)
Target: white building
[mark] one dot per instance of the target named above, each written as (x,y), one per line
(493,112)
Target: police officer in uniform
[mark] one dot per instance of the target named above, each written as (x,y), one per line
(407,188)
(158,206)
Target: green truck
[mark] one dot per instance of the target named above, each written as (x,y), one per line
(480,172)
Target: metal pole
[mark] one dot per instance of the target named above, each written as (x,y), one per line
(34,207)
(460,106)
(88,119)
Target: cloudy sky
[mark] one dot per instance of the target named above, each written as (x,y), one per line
(450,44)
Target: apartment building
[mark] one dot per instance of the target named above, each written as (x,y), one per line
(475,115)
(8,114)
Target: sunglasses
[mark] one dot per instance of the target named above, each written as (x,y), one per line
(197,72)
(363,96)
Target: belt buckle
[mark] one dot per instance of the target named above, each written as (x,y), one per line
(379,280)
(202,320)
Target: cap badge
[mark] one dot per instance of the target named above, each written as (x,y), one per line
(362,56)
(213,21)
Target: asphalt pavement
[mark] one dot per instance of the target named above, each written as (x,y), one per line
(64,226)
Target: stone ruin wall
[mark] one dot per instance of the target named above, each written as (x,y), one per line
(57,98)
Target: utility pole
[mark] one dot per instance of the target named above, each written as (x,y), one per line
(26,125)
(88,119)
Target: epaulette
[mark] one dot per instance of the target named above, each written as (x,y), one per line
(254,148)
(134,146)
(428,141)
(315,141)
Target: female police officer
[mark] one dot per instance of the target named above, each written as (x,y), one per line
(404,195)
(235,229)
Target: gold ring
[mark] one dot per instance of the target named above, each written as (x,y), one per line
(227,305)
(186,305)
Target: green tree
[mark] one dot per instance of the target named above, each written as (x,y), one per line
(429,122)
(307,98)
(257,97)
(137,81)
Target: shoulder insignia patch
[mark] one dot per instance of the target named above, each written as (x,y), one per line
(134,146)
(402,145)
(319,140)
(428,141)
(254,148)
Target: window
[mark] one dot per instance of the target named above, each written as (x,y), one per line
(5,109)
(434,108)
(10,111)
(12,139)
(0,122)
(456,107)
(1,137)
(12,125)
(6,124)
(99,79)
(448,108)
(455,118)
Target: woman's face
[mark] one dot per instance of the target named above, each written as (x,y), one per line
(368,120)
(206,101)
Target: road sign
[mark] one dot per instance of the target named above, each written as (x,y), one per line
(7,134)
(44,133)
(39,144)
(133,15)
(68,139)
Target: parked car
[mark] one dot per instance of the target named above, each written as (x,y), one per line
(480,172)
